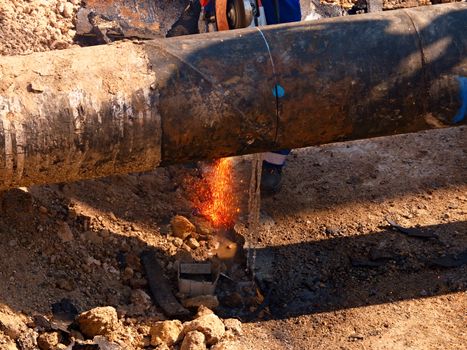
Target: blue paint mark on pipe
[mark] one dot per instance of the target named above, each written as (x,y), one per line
(460,116)
(278,91)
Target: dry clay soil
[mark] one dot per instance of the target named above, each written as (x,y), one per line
(342,278)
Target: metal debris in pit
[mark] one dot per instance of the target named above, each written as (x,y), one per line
(196,279)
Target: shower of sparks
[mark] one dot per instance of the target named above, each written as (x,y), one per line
(217,201)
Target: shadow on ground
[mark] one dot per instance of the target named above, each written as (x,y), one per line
(348,272)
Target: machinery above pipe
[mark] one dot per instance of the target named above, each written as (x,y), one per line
(131,106)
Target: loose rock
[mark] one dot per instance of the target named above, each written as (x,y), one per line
(140,301)
(98,321)
(177,242)
(166,332)
(48,341)
(210,325)
(68,10)
(202,311)
(127,274)
(182,227)
(194,341)
(233,325)
(12,325)
(41,323)
(27,340)
(192,243)
(8,345)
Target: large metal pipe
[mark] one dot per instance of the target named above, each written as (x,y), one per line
(127,107)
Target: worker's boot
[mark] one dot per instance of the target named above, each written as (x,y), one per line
(271,178)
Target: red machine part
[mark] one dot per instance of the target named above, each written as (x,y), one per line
(221,15)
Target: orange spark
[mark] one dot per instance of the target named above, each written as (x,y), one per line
(217,201)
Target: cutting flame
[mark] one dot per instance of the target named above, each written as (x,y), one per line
(217,201)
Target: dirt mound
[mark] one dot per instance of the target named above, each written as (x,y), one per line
(36,25)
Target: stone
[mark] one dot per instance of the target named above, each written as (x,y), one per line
(140,300)
(182,227)
(210,325)
(98,321)
(356,336)
(41,323)
(194,340)
(193,243)
(68,10)
(128,273)
(36,86)
(202,311)
(27,340)
(93,261)
(332,231)
(234,326)
(166,332)
(213,243)
(110,269)
(177,242)
(112,216)
(60,6)
(48,341)
(8,345)
(12,325)
(64,232)
(209,301)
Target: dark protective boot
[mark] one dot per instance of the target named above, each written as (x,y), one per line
(271,178)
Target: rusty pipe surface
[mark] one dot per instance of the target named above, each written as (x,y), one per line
(131,106)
